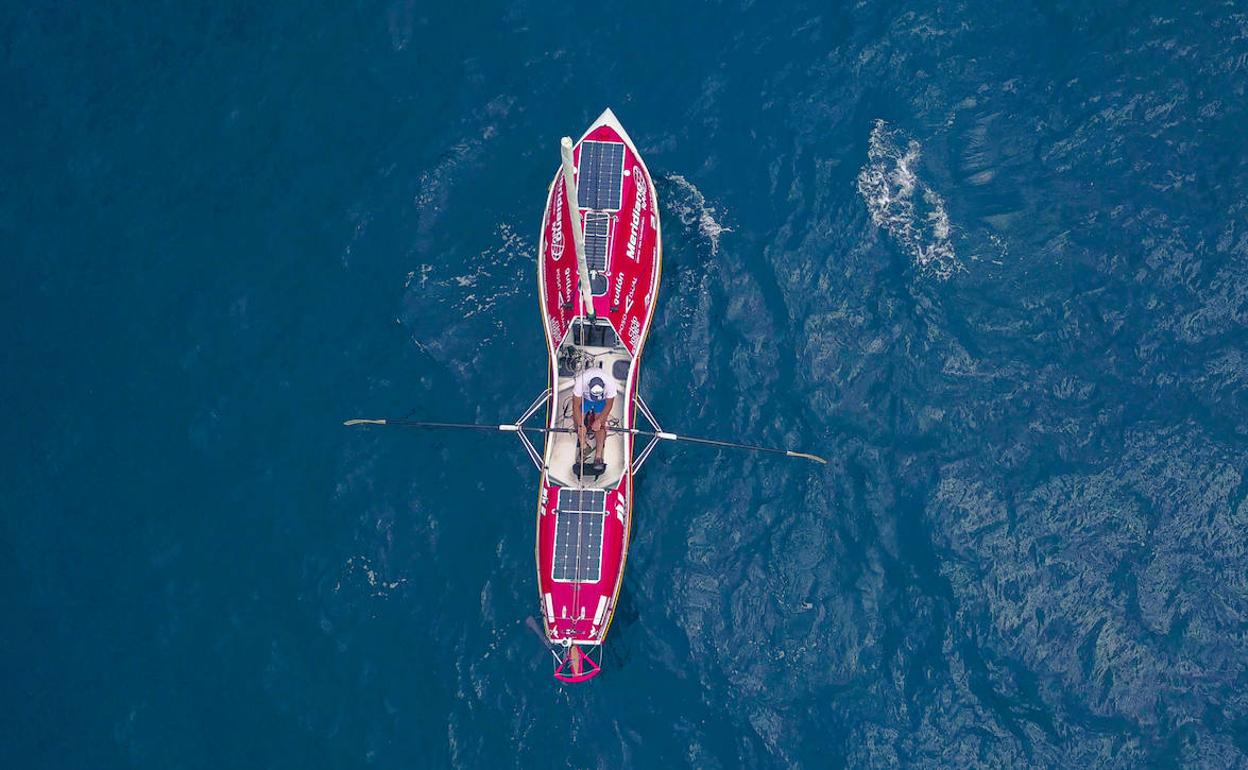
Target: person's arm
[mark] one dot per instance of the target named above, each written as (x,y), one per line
(606,411)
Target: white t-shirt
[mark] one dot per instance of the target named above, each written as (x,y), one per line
(580,386)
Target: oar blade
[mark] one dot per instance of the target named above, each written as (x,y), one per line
(806,456)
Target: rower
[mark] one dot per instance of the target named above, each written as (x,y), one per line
(593,395)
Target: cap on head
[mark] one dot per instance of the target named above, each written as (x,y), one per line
(597,388)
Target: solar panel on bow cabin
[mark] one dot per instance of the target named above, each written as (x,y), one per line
(597,230)
(600,182)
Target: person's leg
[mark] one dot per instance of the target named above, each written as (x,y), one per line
(580,444)
(600,430)
(583,448)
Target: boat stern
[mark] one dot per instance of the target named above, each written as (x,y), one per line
(575,663)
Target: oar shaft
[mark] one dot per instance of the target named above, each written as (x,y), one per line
(505,427)
(668,436)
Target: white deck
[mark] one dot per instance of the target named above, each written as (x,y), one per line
(561,447)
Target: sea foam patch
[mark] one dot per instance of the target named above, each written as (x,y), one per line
(691,207)
(911,212)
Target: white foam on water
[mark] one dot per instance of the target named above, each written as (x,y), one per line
(504,256)
(500,272)
(361,220)
(361,565)
(911,212)
(691,208)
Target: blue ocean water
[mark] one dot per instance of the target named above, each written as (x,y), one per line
(990,258)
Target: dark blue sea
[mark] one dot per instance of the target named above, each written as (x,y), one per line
(990,258)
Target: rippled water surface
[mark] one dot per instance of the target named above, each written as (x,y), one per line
(990,258)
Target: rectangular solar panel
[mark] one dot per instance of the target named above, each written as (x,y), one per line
(582,500)
(578,546)
(597,231)
(601,180)
(578,534)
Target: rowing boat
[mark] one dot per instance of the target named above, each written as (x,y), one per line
(584,518)
(599,261)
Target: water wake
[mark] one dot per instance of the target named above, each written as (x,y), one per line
(690,206)
(910,211)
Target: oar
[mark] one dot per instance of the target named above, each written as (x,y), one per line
(662,434)
(667,436)
(506,427)
(532,624)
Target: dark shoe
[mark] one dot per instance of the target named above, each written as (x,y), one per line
(583,469)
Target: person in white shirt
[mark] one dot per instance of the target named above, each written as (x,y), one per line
(593,395)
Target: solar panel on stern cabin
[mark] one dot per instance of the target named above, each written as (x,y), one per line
(578,534)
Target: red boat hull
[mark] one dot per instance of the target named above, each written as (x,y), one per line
(582,538)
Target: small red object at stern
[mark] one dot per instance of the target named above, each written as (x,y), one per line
(576,665)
